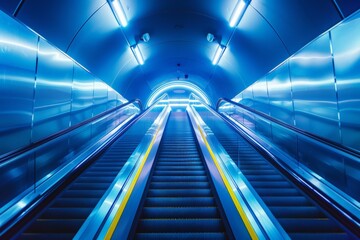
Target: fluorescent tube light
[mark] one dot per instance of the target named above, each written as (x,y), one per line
(237,13)
(218,54)
(118,12)
(136,51)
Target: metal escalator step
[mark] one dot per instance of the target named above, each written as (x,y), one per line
(55,226)
(69,213)
(265,184)
(95,179)
(286,201)
(306,225)
(83,193)
(180,225)
(46,236)
(180,168)
(75,202)
(179,202)
(180,185)
(179,193)
(296,212)
(259,178)
(181,235)
(179,178)
(320,236)
(180,212)
(179,173)
(278,192)
(88,186)
(182,163)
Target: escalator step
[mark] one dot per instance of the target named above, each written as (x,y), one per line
(83,193)
(277,192)
(179,178)
(180,202)
(286,201)
(180,225)
(181,185)
(179,193)
(305,225)
(180,212)
(298,212)
(180,235)
(179,168)
(55,226)
(75,202)
(87,186)
(47,236)
(69,213)
(320,236)
(179,173)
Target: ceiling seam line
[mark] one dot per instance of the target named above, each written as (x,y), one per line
(272,27)
(18,7)
(76,34)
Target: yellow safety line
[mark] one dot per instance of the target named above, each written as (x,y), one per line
(120,211)
(229,188)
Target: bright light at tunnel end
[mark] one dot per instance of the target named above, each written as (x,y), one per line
(118,12)
(238,12)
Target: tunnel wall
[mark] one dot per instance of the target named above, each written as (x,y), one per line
(42,90)
(318,88)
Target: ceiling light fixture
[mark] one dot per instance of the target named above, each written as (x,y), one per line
(136,51)
(218,54)
(118,12)
(238,12)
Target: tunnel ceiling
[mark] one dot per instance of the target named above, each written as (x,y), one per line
(269,32)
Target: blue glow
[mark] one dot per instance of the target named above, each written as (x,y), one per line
(218,54)
(139,58)
(119,12)
(237,13)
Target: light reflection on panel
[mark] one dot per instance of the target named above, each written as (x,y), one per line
(279,88)
(247,97)
(100,97)
(82,95)
(18,47)
(53,92)
(313,86)
(112,98)
(261,100)
(346,47)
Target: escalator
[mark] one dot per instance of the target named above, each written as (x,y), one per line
(179,201)
(299,215)
(67,211)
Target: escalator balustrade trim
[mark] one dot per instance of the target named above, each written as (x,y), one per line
(239,208)
(120,211)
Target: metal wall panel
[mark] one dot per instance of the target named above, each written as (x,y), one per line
(261,98)
(18,48)
(53,92)
(82,95)
(112,98)
(280,97)
(100,97)
(313,85)
(346,47)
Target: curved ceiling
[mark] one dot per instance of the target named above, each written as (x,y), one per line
(269,32)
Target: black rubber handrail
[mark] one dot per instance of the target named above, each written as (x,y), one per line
(18,152)
(333,144)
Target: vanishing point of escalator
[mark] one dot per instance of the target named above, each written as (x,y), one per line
(64,215)
(179,202)
(300,216)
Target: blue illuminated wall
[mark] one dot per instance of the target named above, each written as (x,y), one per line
(318,88)
(42,90)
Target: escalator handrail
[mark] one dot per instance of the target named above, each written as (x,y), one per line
(292,128)
(10,155)
(345,216)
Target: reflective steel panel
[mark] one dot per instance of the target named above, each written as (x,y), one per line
(346,47)
(280,97)
(82,95)
(53,92)
(261,98)
(18,48)
(100,97)
(314,93)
